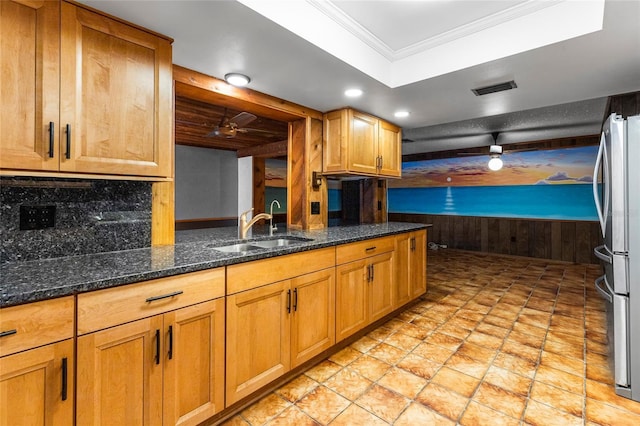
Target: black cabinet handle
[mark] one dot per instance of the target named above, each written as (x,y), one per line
(372,272)
(52,135)
(295,300)
(157,357)
(413,243)
(68,153)
(170,342)
(164,296)
(288,301)
(8,332)
(64,379)
(370,248)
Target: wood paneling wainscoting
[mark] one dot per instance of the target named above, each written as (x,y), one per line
(566,240)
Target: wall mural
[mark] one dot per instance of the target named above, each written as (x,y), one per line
(275,182)
(547,184)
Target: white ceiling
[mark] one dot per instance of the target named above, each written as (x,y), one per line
(422,56)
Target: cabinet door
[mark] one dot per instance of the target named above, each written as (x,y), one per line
(36,388)
(115,97)
(335,131)
(194,363)
(313,315)
(418,264)
(381,286)
(352,303)
(120,375)
(29,84)
(403,285)
(363,143)
(389,149)
(258,338)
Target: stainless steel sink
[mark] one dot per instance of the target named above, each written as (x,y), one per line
(279,242)
(245,247)
(237,248)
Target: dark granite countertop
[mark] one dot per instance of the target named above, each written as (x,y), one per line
(32,281)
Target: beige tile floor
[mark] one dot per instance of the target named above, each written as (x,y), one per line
(495,341)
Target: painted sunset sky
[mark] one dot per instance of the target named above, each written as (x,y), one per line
(556,166)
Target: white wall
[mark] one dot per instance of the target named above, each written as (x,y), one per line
(206,183)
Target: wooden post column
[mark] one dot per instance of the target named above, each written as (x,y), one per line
(305,157)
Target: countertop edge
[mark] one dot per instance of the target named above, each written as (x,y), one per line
(39,291)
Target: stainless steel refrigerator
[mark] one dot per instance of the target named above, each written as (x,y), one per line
(617,201)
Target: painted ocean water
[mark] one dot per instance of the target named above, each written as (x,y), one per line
(569,202)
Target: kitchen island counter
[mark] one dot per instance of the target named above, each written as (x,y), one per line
(32,281)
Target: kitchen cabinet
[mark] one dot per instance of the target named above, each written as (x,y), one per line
(152,353)
(86,93)
(411,266)
(30,75)
(365,284)
(360,144)
(275,326)
(37,363)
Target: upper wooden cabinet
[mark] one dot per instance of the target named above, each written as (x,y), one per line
(30,83)
(87,94)
(360,144)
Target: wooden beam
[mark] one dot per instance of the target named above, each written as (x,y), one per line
(195,85)
(537,145)
(258,186)
(305,157)
(163,213)
(269,150)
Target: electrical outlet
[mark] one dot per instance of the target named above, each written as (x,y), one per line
(37,217)
(47,216)
(28,217)
(315,207)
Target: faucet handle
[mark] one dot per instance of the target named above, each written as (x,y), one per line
(246,212)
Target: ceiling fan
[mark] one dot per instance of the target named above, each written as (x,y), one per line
(495,150)
(229,127)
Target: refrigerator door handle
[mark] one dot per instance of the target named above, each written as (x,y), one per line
(596,197)
(604,293)
(602,256)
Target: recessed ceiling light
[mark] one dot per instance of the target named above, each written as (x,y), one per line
(353,93)
(237,79)
(401,114)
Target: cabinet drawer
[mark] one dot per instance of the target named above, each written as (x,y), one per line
(35,324)
(106,308)
(354,251)
(245,276)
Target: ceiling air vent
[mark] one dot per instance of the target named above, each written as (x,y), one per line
(507,85)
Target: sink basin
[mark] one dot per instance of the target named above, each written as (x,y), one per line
(279,242)
(236,248)
(259,244)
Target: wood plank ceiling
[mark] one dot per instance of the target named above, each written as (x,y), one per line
(194,120)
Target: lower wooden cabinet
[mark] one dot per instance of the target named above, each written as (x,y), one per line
(364,293)
(37,363)
(276,327)
(37,386)
(411,266)
(313,315)
(165,369)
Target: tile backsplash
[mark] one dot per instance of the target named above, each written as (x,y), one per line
(92,216)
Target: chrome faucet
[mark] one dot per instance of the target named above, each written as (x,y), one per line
(272,227)
(244,227)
